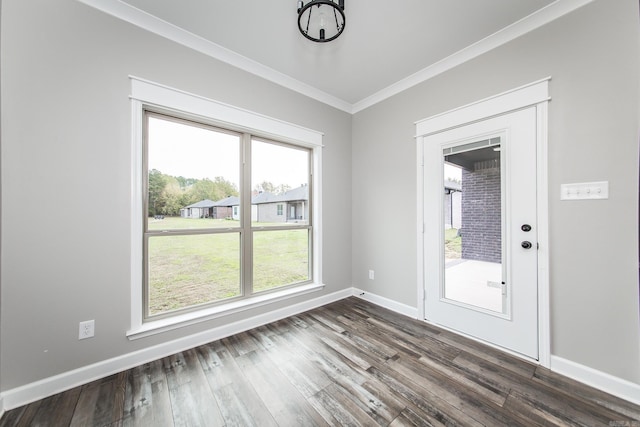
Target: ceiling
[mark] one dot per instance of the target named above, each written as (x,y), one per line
(386,46)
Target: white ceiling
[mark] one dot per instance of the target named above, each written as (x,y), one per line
(387,46)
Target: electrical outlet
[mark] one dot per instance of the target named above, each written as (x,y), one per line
(87,329)
(372,275)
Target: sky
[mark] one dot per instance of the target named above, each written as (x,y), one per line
(192,152)
(177,149)
(452,173)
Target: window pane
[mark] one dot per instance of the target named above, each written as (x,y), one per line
(280,258)
(280,184)
(194,269)
(473,225)
(194,176)
(193,229)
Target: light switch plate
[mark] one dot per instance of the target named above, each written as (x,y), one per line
(585,191)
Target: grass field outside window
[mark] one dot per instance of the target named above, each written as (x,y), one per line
(186,271)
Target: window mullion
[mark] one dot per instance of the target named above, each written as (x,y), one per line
(246,260)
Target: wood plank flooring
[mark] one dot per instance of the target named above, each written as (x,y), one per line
(349,363)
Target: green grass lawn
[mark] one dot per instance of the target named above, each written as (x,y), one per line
(452,244)
(177,223)
(198,269)
(280,258)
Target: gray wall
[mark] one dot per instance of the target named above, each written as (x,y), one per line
(65,144)
(268,212)
(592,56)
(66,147)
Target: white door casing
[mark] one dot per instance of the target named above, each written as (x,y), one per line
(530,103)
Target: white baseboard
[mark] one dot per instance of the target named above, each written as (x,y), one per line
(19,396)
(387,303)
(601,380)
(28,393)
(608,383)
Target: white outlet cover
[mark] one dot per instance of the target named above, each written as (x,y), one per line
(86,329)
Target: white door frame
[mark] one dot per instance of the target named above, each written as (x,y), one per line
(536,95)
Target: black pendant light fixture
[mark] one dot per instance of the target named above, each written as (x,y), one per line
(321,20)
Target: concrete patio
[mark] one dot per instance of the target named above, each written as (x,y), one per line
(475,283)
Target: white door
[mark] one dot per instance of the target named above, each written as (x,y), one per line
(481,279)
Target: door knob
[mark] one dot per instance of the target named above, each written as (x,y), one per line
(526,244)
(525,227)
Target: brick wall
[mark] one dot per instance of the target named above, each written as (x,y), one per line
(481,212)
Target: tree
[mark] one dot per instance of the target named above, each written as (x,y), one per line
(266,186)
(157,182)
(206,189)
(282,188)
(226,187)
(172,197)
(185,182)
(168,194)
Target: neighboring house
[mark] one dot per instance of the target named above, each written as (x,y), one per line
(291,206)
(297,204)
(452,204)
(263,207)
(201,209)
(209,209)
(223,209)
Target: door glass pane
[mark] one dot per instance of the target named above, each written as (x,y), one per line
(280,183)
(189,270)
(473,225)
(194,176)
(280,258)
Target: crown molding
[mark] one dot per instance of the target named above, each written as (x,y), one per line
(529,23)
(174,33)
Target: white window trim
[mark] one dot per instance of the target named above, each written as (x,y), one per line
(145,93)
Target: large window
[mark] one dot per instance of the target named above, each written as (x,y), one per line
(226,215)
(225,209)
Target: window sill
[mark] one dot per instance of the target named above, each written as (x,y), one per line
(187,319)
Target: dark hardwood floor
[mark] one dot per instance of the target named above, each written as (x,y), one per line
(348,363)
